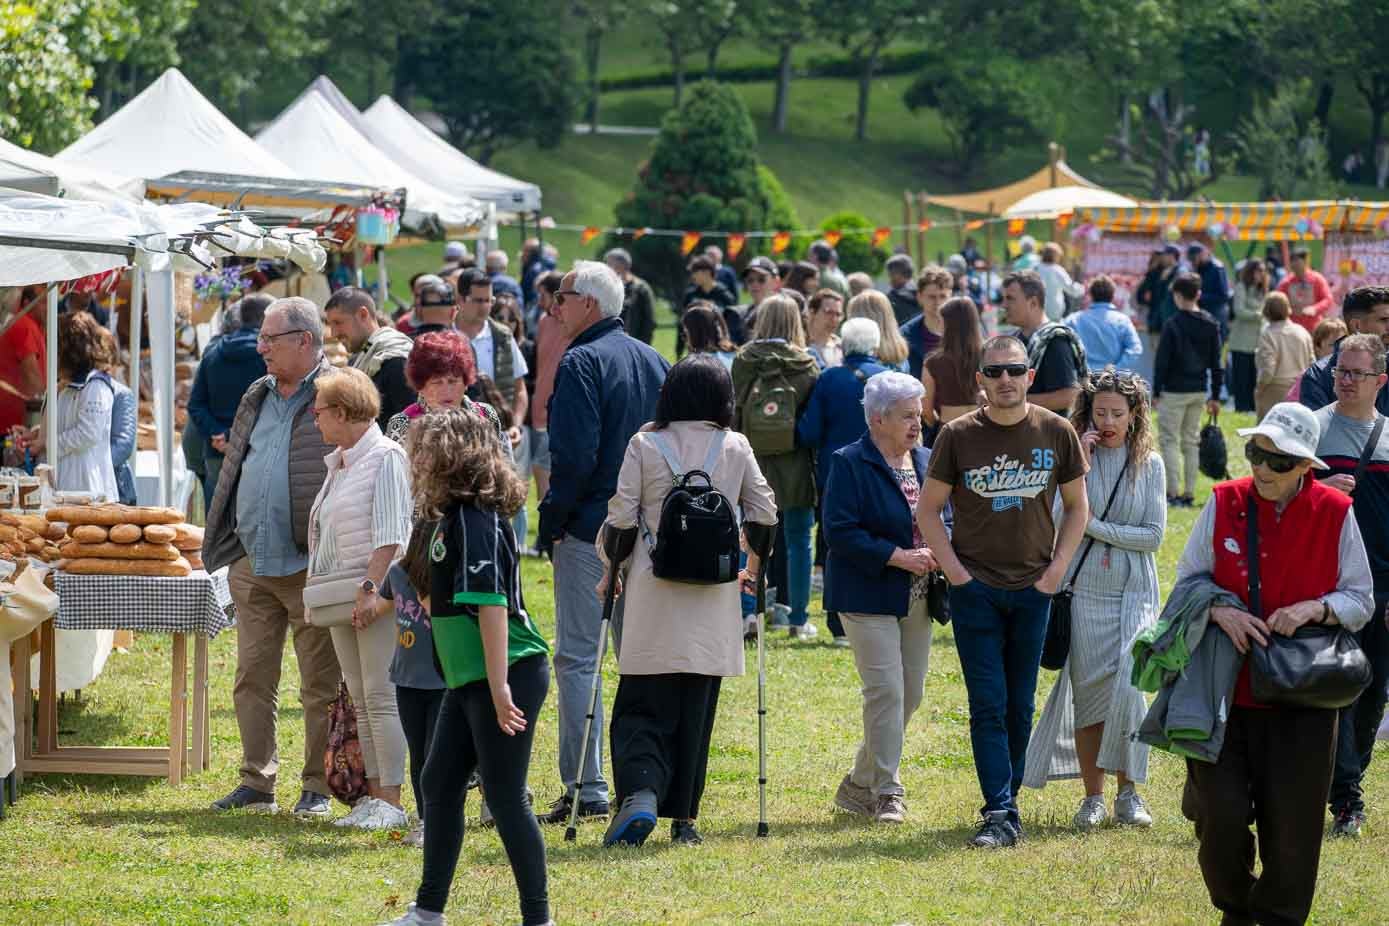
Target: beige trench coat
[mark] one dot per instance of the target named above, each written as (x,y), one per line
(671,626)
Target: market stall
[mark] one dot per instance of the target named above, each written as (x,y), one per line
(1357,252)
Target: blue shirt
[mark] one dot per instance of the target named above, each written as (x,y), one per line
(264,522)
(1108,337)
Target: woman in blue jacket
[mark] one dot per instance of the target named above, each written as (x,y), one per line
(876,578)
(833,418)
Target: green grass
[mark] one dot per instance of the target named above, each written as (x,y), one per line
(97,850)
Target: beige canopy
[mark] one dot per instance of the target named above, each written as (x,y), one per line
(996,201)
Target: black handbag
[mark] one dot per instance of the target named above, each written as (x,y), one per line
(938,597)
(1320,665)
(1056,648)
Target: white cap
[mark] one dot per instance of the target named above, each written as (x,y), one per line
(455,250)
(1294,430)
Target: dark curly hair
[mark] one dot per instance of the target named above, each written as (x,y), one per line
(1134,391)
(440,353)
(82,345)
(456,457)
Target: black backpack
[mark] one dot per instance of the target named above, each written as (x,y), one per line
(697,538)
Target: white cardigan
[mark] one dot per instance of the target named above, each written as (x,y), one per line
(364,505)
(81,450)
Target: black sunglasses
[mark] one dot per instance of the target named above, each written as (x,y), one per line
(1278,462)
(1014,370)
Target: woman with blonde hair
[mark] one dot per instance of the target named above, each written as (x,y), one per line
(892,347)
(1285,350)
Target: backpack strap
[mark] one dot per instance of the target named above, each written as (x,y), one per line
(667,454)
(711,458)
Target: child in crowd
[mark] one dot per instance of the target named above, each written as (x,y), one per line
(494,662)
(1327,333)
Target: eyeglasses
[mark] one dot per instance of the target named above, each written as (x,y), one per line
(996,370)
(317,410)
(1277,462)
(561,293)
(1352,375)
(267,338)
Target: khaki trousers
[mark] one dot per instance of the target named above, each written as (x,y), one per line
(1179,439)
(1268,394)
(267,607)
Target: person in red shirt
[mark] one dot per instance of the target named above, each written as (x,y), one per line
(550,344)
(1307,290)
(22,361)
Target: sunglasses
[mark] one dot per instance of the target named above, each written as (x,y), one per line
(996,370)
(1277,462)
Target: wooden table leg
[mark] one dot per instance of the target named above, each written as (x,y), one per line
(178,710)
(202,753)
(23,706)
(48,689)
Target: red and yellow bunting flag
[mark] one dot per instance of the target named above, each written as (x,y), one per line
(688,241)
(1063,220)
(974,225)
(923,225)
(736,240)
(1015,227)
(832,237)
(588,234)
(881,234)
(639,233)
(780,242)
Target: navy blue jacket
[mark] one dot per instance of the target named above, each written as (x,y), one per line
(1215,290)
(606,388)
(833,415)
(227,370)
(914,332)
(865,519)
(1318,386)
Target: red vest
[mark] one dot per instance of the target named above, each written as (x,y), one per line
(1298,552)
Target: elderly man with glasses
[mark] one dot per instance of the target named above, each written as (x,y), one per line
(259,526)
(606,387)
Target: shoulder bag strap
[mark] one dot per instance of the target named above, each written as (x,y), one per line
(1090,542)
(1370,446)
(1256,606)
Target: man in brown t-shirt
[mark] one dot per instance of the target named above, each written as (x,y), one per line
(1000,468)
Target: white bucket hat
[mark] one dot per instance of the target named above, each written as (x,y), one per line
(1294,430)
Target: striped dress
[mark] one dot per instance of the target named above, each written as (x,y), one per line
(1116,597)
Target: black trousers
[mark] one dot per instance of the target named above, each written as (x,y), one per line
(1360,721)
(419,711)
(776,565)
(1274,771)
(822,552)
(1243,377)
(660,731)
(466,737)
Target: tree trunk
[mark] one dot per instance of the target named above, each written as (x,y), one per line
(403,79)
(105,88)
(865,84)
(1377,126)
(677,66)
(1325,93)
(593,43)
(1125,131)
(783,89)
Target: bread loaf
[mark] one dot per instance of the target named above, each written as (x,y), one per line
(109,515)
(8,532)
(88,533)
(126,567)
(55,532)
(34,546)
(190,537)
(33,523)
(195,562)
(160,533)
(125,533)
(140,550)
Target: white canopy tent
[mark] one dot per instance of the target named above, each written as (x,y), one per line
(1049,204)
(315,138)
(28,170)
(415,146)
(171,127)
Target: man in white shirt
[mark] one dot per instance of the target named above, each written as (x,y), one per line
(498,355)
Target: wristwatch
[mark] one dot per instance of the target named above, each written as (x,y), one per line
(368,586)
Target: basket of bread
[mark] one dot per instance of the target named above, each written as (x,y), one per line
(26,535)
(124,540)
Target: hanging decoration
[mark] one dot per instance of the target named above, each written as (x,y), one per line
(781,241)
(639,233)
(974,225)
(688,240)
(1382,228)
(881,234)
(588,234)
(1063,220)
(1016,227)
(736,240)
(1309,227)
(833,237)
(923,225)
(1172,233)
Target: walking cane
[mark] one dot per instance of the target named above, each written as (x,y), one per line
(760,540)
(617,546)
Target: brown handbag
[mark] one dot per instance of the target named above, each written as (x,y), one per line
(342,760)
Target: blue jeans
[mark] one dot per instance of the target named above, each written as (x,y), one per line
(999,636)
(795,527)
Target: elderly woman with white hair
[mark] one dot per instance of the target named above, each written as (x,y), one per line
(833,418)
(877,578)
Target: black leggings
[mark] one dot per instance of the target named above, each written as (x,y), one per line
(466,738)
(419,711)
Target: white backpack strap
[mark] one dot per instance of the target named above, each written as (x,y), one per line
(711,459)
(667,454)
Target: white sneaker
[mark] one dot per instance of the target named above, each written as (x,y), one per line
(412,918)
(415,838)
(382,816)
(1129,809)
(355,814)
(1092,813)
(805,631)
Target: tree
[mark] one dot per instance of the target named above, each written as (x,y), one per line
(985,104)
(702,175)
(388,41)
(128,40)
(1286,152)
(596,17)
(1362,54)
(783,24)
(43,96)
(679,24)
(501,76)
(866,27)
(721,21)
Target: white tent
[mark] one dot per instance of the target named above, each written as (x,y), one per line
(313,137)
(28,170)
(171,127)
(414,145)
(1048,204)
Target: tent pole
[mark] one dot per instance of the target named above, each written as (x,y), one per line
(50,400)
(920,235)
(539,229)
(137,317)
(382,285)
(989,241)
(907,222)
(357,254)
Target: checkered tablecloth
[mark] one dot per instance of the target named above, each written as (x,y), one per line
(199,603)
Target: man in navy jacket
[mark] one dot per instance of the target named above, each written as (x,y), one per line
(606,388)
(1215,285)
(1366,311)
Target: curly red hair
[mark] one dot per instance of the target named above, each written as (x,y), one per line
(440,353)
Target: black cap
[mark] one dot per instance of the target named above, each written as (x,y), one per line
(1171,249)
(761,265)
(436,295)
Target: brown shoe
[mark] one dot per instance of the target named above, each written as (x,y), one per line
(850,798)
(891,809)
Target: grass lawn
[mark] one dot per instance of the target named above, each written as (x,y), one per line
(119,850)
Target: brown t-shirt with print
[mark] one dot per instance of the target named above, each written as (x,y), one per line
(1005,478)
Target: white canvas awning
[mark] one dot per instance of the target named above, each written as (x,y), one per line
(28,170)
(1048,204)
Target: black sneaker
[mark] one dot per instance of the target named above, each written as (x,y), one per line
(683,833)
(1348,824)
(313,806)
(558,814)
(996,832)
(249,799)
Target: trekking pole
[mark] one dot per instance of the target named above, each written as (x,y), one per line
(760,539)
(617,546)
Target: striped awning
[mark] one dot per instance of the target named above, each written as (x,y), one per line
(1364,217)
(1241,221)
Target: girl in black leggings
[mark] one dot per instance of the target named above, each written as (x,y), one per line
(493,660)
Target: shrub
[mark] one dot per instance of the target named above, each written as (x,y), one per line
(856,251)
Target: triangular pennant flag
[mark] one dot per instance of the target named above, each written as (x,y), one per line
(780,242)
(688,241)
(832,237)
(639,233)
(881,234)
(1063,220)
(974,225)
(923,225)
(736,240)
(1015,227)
(588,234)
